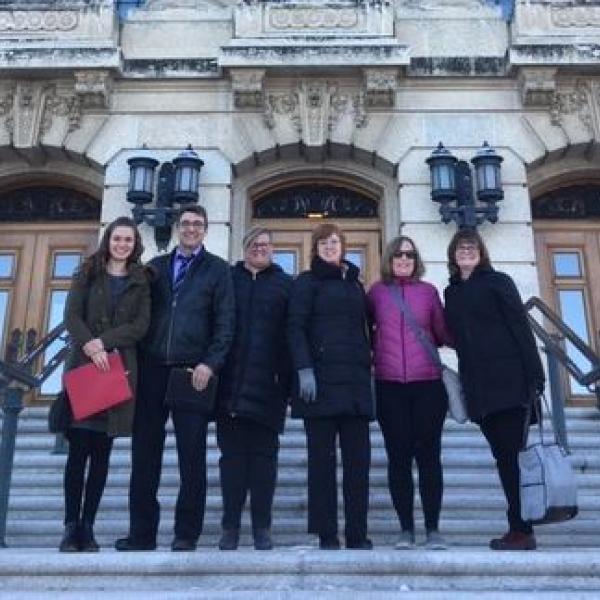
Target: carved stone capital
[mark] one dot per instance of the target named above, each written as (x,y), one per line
(380,87)
(93,88)
(538,85)
(574,98)
(314,107)
(247,86)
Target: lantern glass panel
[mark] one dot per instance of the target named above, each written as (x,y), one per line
(443,177)
(488,177)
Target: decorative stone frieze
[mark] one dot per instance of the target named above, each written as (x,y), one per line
(538,86)
(574,98)
(34,21)
(314,108)
(247,87)
(272,18)
(61,105)
(93,88)
(575,16)
(380,87)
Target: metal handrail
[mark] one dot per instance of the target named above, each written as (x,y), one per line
(553,343)
(553,346)
(12,404)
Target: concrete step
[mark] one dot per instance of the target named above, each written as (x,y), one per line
(205,572)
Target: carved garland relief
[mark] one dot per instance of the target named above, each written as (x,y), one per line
(577,100)
(18,21)
(313,18)
(576,16)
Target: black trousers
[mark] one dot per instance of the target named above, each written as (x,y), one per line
(355,446)
(411,417)
(91,449)
(248,463)
(147,453)
(504,433)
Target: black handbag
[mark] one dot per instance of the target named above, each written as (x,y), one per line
(60,416)
(182,395)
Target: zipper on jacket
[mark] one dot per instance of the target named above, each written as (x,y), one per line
(403,337)
(170,333)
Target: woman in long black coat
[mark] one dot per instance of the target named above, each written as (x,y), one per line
(330,350)
(499,365)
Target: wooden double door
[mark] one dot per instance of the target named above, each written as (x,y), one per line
(568,255)
(36,265)
(292,242)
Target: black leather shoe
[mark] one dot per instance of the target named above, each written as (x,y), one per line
(262,539)
(229,539)
(364,544)
(86,538)
(70,540)
(128,544)
(329,542)
(183,545)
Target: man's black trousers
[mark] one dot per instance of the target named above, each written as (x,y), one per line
(147,453)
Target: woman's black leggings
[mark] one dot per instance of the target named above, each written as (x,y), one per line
(90,448)
(411,417)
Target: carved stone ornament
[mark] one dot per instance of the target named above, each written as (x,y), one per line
(93,88)
(33,21)
(247,86)
(380,87)
(576,100)
(282,18)
(314,107)
(538,86)
(575,16)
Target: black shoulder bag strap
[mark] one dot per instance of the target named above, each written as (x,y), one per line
(417,329)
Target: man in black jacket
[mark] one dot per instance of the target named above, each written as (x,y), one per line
(253,391)
(191,326)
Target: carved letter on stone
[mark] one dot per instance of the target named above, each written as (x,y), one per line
(247,86)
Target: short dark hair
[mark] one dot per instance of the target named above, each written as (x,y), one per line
(387,273)
(469,236)
(322,232)
(197,209)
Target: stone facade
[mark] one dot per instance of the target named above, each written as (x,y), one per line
(273,88)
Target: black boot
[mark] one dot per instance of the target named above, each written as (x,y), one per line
(70,541)
(88,543)
(229,539)
(262,539)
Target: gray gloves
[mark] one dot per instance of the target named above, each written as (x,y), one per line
(307,385)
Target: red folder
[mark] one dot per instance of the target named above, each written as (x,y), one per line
(91,390)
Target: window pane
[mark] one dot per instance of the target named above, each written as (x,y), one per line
(572,309)
(7,265)
(65,264)
(356,257)
(567,264)
(4,298)
(58,299)
(287,260)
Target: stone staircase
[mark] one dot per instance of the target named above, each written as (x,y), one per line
(473,511)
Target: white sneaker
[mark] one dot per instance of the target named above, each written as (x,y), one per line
(406,540)
(435,541)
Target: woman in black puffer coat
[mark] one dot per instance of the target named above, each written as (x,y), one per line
(330,351)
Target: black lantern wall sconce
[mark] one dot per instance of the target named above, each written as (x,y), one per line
(177,184)
(452,186)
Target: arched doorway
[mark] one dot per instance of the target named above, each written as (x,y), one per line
(45,231)
(567,240)
(294,206)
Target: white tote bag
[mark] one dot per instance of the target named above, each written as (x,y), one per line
(548,488)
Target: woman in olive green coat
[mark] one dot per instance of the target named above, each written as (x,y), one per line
(108,308)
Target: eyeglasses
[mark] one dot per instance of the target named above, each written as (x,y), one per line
(192,225)
(467,248)
(410,254)
(260,245)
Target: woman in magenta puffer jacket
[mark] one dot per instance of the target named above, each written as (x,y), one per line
(411,399)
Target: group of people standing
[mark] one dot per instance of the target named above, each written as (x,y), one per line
(320,340)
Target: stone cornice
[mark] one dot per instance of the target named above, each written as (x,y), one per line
(52,58)
(555,54)
(313,53)
(171,68)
